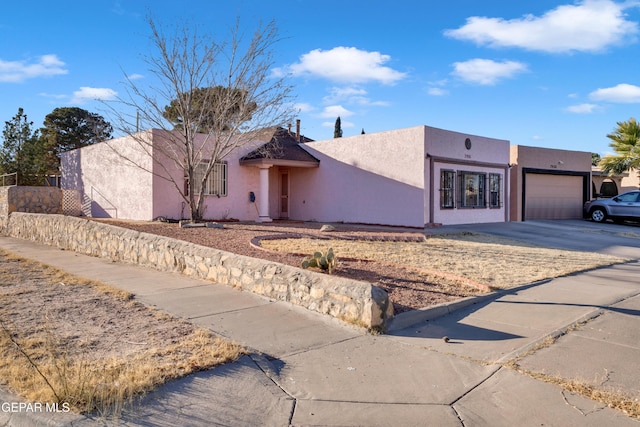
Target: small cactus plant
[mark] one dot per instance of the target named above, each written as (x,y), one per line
(325,262)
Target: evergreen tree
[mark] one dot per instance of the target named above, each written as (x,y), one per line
(337,131)
(22,151)
(216,107)
(68,128)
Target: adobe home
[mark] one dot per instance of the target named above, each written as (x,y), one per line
(407,177)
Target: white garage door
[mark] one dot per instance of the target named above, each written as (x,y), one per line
(553,196)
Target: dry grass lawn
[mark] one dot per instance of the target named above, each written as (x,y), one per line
(496,262)
(621,400)
(72,341)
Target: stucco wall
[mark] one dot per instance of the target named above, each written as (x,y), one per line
(598,178)
(357,302)
(372,178)
(627,181)
(630,182)
(112,178)
(550,158)
(240,180)
(392,177)
(448,150)
(450,144)
(553,161)
(122,179)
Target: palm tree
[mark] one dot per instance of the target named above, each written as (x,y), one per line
(625,141)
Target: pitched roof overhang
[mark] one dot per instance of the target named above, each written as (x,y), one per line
(280,162)
(283,149)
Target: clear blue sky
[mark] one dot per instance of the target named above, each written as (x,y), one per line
(556,74)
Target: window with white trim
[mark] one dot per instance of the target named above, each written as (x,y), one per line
(216,184)
(472,189)
(494,190)
(447,189)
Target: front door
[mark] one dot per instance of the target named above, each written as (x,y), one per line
(284,194)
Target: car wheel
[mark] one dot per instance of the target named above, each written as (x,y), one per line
(598,215)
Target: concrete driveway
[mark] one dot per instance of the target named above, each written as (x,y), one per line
(608,238)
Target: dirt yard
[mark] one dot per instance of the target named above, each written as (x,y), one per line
(416,272)
(95,346)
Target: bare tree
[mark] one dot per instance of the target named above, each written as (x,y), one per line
(209,99)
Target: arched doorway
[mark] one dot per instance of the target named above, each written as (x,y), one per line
(608,188)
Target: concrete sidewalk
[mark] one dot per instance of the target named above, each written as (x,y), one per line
(308,369)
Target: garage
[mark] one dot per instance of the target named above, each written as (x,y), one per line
(548,183)
(549,195)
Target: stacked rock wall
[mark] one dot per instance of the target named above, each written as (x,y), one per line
(47,200)
(349,300)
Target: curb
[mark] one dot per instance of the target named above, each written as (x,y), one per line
(413,317)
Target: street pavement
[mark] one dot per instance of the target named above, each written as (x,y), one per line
(307,369)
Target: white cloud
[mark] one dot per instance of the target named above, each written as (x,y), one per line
(486,71)
(437,87)
(335,111)
(351,95)
(92,94)
(135,76)
(587,26)
(344,65)
(582,108)
(52,95)
(369,103)
(338,94)
(436,91)
(19,71)
(622,93)
(303,107)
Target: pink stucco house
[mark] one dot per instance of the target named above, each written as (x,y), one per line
(122,178)
(604,185)
(407,177)
(411,177)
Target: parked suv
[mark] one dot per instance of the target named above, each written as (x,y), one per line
(618,208)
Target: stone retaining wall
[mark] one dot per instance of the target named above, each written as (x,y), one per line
(349,300)
(47,200)
(4,207)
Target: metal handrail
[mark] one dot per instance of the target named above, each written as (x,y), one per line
(8,175)
(113,207)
